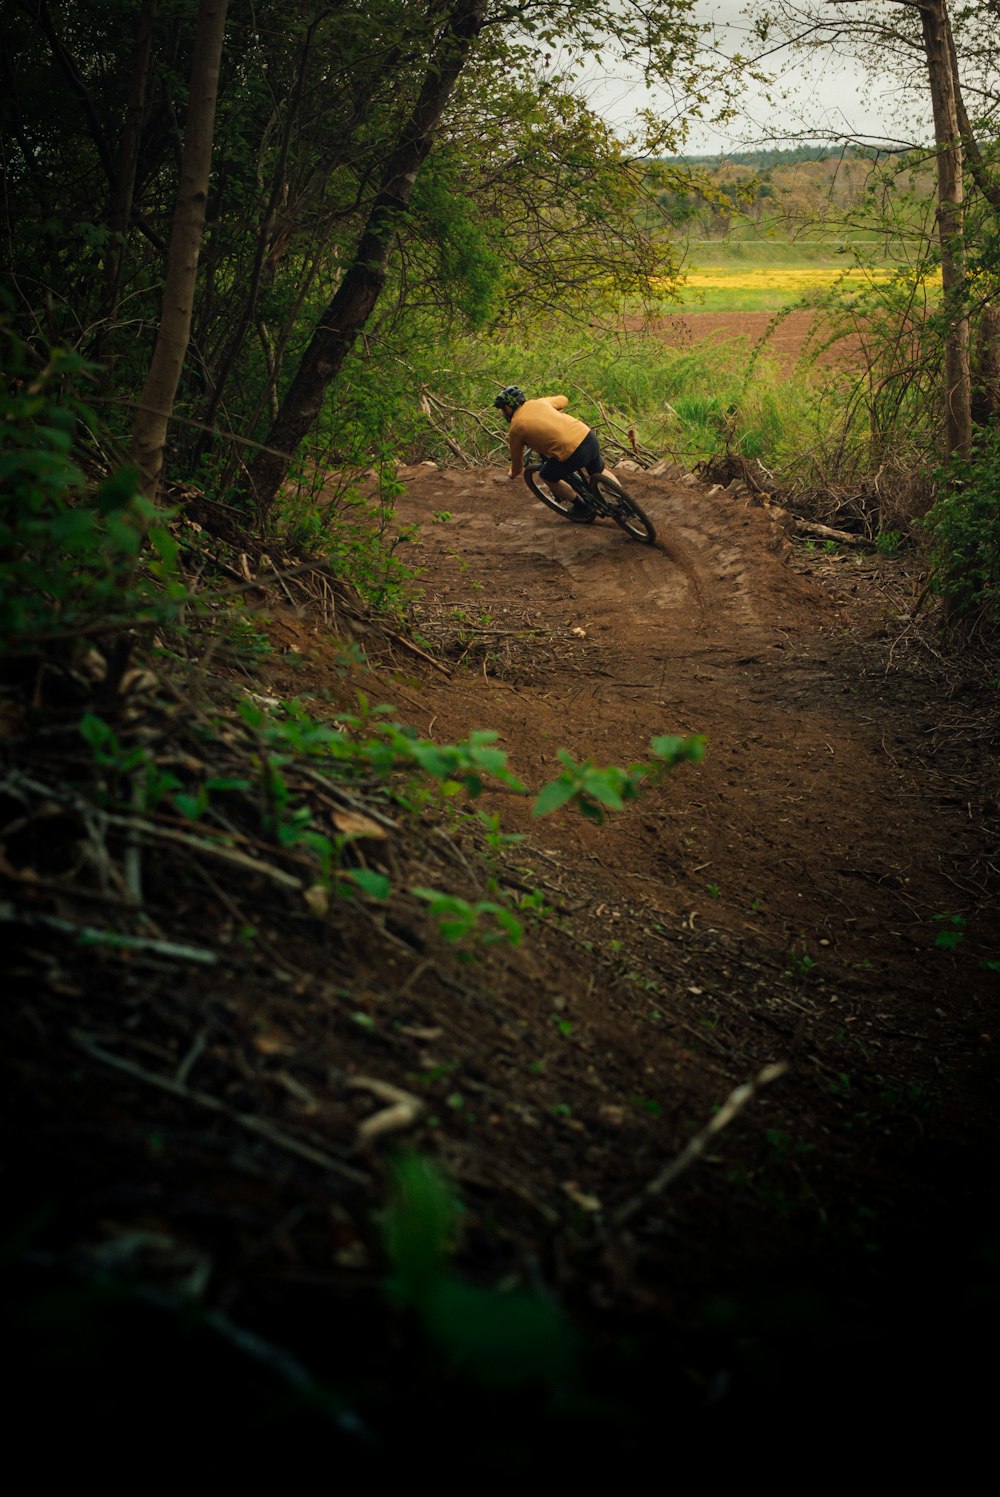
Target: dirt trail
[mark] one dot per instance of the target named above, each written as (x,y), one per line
(827,1267)
(819,818)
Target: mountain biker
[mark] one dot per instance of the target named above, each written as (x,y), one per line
(565,442)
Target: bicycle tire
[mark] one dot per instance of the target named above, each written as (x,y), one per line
(623,509)
(557,506)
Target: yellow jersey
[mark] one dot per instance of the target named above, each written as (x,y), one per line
(543,426)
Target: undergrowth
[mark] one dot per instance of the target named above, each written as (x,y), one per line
(964,526)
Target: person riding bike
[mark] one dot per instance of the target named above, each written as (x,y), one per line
(566,443)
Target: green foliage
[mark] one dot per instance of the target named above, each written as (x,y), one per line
(69,547)
(964,526)
(952,932)
(458,920)
(595,791)
(494,834)
(367,741)
(502,1340)
(466,243)
(803,965)
(691,403)
(889,542)
(131,777)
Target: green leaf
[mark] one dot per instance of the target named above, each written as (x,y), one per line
(117,491)
(418,1229)
(501,1340)
(675,749)
(600,784)
(96,732)
(375,885)
(164,545)
(191,806)
(553,795)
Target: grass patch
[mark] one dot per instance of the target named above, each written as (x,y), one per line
(686,403)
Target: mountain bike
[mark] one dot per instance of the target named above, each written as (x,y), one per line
(602,495)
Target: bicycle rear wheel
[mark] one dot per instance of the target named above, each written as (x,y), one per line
(558,506)
(623,508)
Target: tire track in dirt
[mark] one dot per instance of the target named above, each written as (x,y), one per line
(718,556)
(800,825)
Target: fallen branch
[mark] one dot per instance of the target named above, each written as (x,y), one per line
(274,1135)
(217,850)
(825,532)
(95,935)
(337,793)
(409,645)
(221,851)
(625,440)
(696,1146)
(425,406)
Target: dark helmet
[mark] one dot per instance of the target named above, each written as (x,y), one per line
(510,395)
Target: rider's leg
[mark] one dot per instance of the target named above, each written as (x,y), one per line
(551,474)
(561,490)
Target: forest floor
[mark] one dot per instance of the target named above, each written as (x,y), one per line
(826,1265)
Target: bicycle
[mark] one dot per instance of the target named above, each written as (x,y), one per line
(603,496)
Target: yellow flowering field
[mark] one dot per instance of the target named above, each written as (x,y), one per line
(797,278)
(746,287)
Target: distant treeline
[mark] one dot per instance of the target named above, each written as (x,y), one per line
(776,156)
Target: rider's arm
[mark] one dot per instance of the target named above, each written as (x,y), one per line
(558,401)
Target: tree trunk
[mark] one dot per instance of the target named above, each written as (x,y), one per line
(149,433)
(983,175)
(128,159)
(986,395)
(265,233)
(951,225)
(362,283)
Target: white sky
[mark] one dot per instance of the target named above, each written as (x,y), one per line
(825,94)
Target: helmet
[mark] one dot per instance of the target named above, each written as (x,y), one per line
(510,395)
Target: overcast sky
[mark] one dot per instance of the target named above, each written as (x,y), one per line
(824,93)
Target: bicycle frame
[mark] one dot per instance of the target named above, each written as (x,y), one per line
(603,497)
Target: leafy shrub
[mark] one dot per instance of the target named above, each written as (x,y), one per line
(964,526)
(68,547)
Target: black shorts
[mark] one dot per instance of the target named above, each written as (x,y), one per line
(587,455)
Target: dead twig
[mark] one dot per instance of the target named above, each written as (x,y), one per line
(402,1111)
(142,828)
(696,1146)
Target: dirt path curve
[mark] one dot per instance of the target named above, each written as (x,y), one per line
(782,901)
(818,822)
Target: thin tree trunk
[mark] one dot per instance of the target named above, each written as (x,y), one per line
(362,283)
(986,395)
(149,433)
(951,225)
(248,311)
(128,160)
(983,176)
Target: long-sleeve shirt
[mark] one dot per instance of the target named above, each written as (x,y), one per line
(543,426)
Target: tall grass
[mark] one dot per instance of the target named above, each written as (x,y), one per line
(687,403)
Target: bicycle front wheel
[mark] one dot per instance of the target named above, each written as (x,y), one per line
(558,506)
(623,508)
